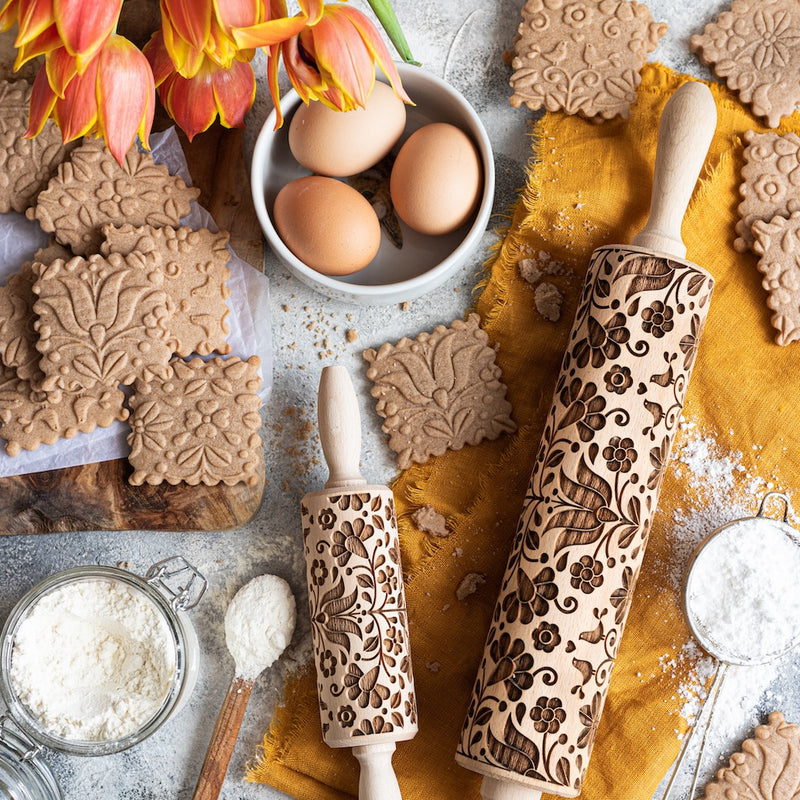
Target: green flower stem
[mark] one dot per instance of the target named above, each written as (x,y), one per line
(388,19)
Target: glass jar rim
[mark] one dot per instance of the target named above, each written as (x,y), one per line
(17,709)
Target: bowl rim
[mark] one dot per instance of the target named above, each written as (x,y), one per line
(431,278)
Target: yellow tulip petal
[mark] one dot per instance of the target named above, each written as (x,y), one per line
(273,63)
(33,19)
(9,15)
(238,13)
(188,58)
(125,95)
(234,92)
(190,19)
(47,41)
(61,69)
(43,99)
(266,34)
(84,25)
(76,112)
(190,102)
(160,62)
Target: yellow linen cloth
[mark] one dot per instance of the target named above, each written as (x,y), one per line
(588,185)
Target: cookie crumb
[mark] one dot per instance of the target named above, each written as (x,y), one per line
(548,299)
(429,520)
(469,585)
(351,334)
(405,305)
(433,666)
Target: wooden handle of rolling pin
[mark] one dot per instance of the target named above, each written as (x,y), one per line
(594,488)
(684,134)
(223,739)
(359,625)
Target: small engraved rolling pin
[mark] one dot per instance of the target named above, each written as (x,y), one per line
(359,624)
(564,599)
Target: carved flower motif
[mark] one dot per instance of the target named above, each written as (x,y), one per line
(578,15)
(327,663)
(149,428)
(346,716)
(547,715)
(584,409)
(621,598)
(619,454)
(587,574)
(658,458)
(788,161)
(690,342)
(326,518)
(363,687)
(531,596)
(618,379)
(207,419)
(546,637)
(117,198)
(768,189)
(372,726)
(513,666)
(354,501)
(775,46)
(319,572)
(393,640)
(657,319)
(589,716)
(602,342)
(350,541)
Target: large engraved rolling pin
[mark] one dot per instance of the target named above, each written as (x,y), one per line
(578,548)
(359,624)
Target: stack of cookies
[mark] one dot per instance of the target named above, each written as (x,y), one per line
(123,296)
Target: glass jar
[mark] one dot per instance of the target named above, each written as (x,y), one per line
(170,587)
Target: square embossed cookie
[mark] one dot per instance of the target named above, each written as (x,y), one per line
(754,47)
(92,190)
(582,56)
(778,244)
(198,425)
(194,264)
(439,392)
(102,320)
(770,182)
(31,418)
(26,165)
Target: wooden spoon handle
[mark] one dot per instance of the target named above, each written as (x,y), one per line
(223,739)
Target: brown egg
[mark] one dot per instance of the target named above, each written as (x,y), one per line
(342,143)
(437,179)
(327,224)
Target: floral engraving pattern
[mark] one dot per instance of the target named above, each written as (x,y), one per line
(359,624)
(582,57)
(752,47)
(578,547)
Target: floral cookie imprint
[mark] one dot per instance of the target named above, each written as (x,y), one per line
(766,768)
(582,57)
(200,424)
(754,47)
(778,244)
(195,271)
(31,418)
(439,392)
(92,189)
(26,165)
(770,182)
(101,320)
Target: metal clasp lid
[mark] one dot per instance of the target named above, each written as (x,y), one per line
(17,740)
(180,580)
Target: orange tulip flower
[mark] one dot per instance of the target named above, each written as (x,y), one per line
(331,58)
(194,103)
(114,98)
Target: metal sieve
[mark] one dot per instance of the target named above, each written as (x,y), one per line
(731,644)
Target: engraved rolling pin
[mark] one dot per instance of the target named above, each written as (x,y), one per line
(579,543)
(359,624)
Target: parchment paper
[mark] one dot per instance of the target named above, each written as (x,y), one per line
(249,322)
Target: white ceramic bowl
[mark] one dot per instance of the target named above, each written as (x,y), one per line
(424,262)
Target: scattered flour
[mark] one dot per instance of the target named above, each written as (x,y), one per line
(92,660)
(259,624)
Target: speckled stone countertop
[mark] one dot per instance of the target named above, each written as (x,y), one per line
(462,42)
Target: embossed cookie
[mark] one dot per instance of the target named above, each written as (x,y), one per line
(194,264)
(770,182)
(31,418)
(92,190)
(26,165)
(778,244)
(583,57)
(198,425)
(766,768)
(439,392)
(753,46)
(102,320)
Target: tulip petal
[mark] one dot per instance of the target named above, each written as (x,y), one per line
(9,15)
(33,19)
(234,92)
(45,42)
(43,99)
(187,57)
(266,34)
(84,25)
(238,13)
(61,69)
(76,112)
(190,102)
(273,63)
(125,95)
(190,19)
(160,62)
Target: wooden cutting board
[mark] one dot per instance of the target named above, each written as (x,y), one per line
(98,496)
